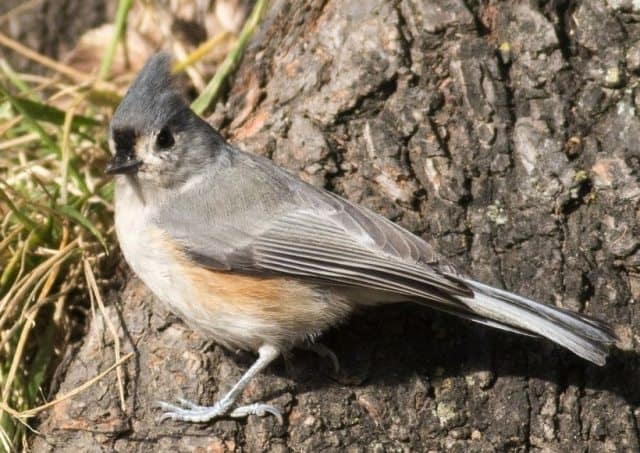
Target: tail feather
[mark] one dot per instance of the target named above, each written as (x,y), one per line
(585,336)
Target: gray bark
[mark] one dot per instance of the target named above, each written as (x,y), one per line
(506,134)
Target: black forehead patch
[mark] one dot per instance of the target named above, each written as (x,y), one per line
(124,138)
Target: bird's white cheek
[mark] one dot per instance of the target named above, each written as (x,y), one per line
(144,150)
(152,161)
(152,164)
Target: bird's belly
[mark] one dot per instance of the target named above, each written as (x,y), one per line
(153,266)
(237,311)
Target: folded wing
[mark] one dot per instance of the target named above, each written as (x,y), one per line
(290,228)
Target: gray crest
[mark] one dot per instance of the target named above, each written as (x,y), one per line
(152,98)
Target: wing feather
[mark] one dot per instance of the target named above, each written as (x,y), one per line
(274,223)
(307,247)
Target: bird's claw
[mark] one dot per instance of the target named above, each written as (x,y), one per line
(188,411)
(258,409)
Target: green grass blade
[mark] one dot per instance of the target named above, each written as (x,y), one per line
(120,25)
(26,221)
(13,77)
(43,112)
(75,215)
(44,136)
(212,90)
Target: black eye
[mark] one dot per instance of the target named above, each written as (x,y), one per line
(165,139)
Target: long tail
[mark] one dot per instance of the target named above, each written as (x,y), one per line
(585,336)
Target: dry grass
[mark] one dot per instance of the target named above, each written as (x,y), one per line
(56,229)
(57,213)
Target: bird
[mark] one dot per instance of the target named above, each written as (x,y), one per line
(257,259)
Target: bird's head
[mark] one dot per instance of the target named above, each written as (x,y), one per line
(154,135)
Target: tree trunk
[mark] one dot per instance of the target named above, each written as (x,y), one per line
(506,135)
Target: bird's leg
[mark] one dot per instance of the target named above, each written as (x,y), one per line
(190,412)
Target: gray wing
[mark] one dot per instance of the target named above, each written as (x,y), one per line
(346,244)
(268,222)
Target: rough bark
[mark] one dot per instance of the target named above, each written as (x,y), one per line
(504,133)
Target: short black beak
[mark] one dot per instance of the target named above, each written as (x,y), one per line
(122,163)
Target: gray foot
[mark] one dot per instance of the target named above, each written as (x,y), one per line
(188,411)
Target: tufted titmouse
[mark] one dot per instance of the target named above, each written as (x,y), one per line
(259,260)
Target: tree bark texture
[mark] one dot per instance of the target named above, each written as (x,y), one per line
(506,134)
